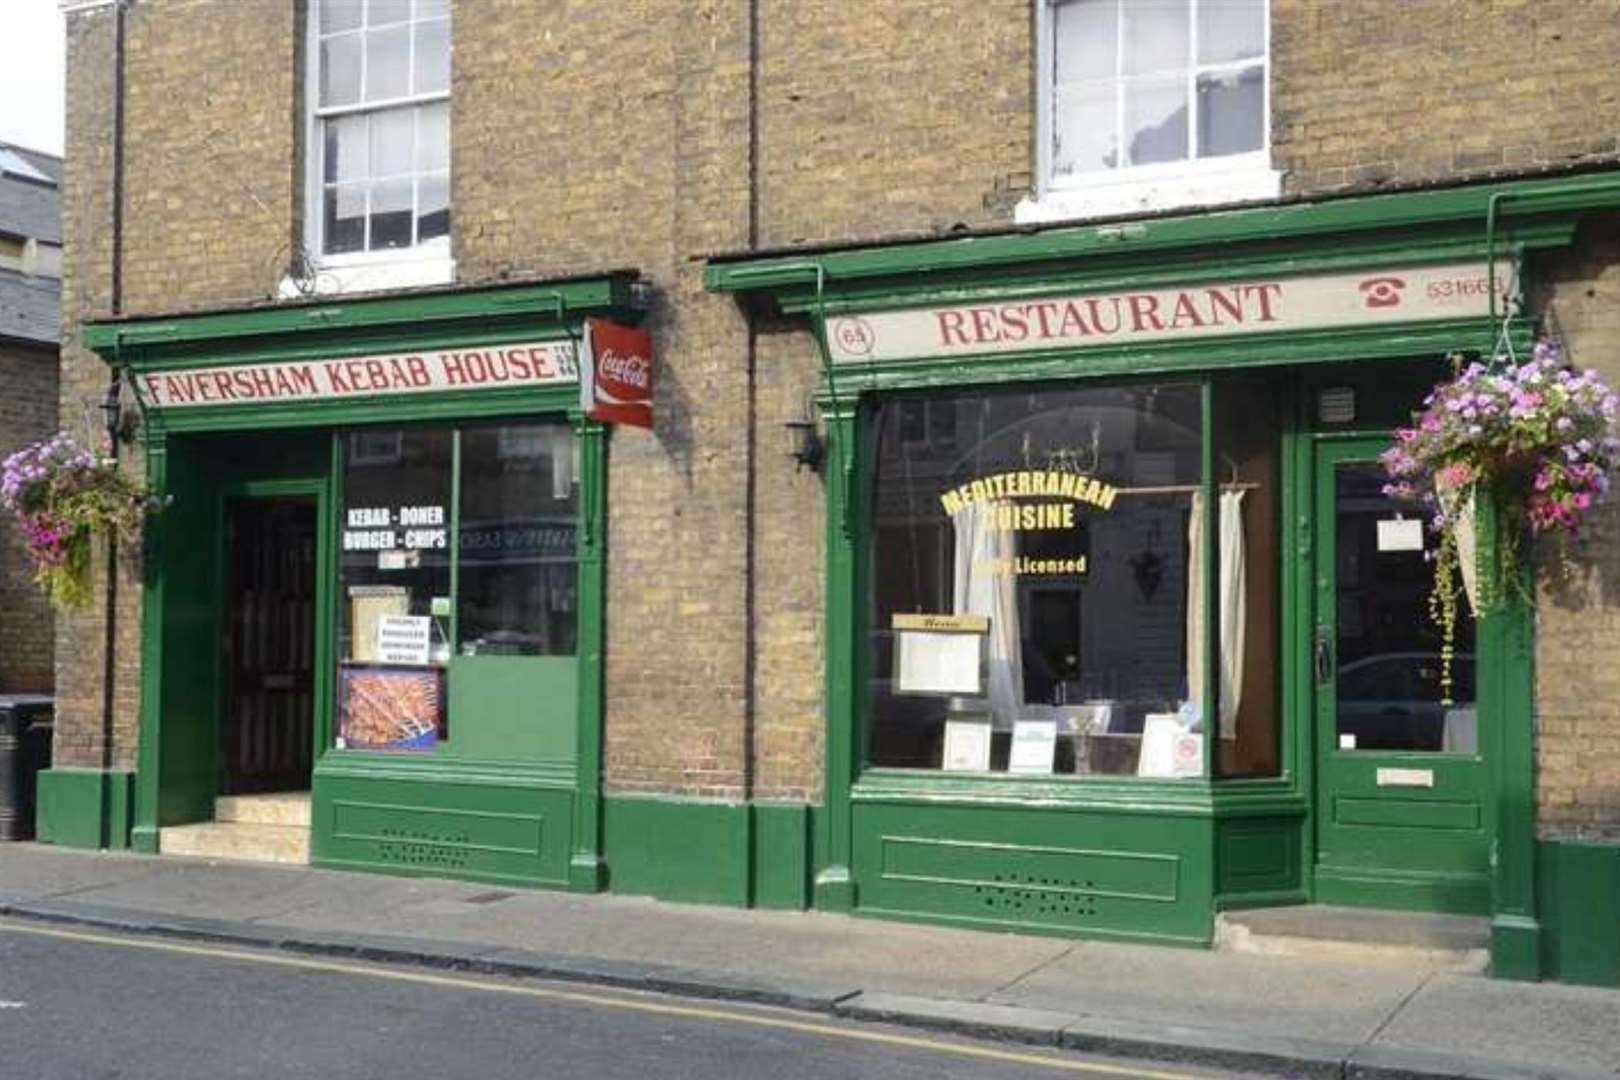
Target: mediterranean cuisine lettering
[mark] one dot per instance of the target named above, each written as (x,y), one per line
(483,368)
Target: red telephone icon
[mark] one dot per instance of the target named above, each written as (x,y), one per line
(1382,291)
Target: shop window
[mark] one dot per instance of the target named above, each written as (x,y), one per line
(458,545)
(379,149)
(1036,590)
(1146,104)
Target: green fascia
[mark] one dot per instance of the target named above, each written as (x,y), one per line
(421,314)
(1430,224)
(86,808)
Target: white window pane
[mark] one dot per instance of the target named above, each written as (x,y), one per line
(340,70)
(388,63)
(1085,36)
(346,157)
(392,142)
(345,226)
(1155,36)
(433,137)
(1155,120)
(339,15)
(1083,129)
(432,56)
(1231,112)
(432,9)
(380,12)
(391,214)
(1231,30)
(432,207)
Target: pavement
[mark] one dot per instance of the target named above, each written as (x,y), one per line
(1382,1015)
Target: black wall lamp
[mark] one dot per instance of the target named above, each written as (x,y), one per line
(804,444)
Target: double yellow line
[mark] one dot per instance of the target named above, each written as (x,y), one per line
(716,1014)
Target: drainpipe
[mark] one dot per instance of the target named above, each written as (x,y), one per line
(109,667)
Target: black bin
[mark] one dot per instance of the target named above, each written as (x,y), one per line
(25,749)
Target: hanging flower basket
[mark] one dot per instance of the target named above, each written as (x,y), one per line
(1535,439)
(63,497)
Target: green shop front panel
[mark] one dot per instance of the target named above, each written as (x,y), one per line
(1048,869)
(495,828)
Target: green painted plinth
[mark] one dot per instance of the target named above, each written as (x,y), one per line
(86,808)
(1578,897)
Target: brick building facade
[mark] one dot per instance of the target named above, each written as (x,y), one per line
(582,140)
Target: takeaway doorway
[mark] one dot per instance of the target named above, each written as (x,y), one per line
(267,730)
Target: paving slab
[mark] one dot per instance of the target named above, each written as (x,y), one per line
(39,870)
(1280,996)
(1552,1026)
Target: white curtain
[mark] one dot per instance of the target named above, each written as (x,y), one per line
(980,589)
(1233,612)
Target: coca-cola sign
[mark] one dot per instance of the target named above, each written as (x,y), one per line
(616,373)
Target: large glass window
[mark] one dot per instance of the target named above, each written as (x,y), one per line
(1037,582)
(380,95)
(457,544)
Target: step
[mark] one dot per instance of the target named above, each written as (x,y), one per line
(237,840)
(278,808)
(1427,939)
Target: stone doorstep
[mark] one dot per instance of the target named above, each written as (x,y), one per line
(1438,942)
(247,842)
(278,808)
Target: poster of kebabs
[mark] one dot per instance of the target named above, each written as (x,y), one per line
(386,707)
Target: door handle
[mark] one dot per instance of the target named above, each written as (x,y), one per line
(1323,656)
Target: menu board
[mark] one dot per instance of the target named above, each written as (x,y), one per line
(940,654)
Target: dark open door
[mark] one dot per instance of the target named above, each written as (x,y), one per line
(1403,817)
(267,733)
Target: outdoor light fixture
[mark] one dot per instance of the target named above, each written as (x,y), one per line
(112,410)
(804,444)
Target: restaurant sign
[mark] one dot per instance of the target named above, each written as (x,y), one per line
(1147,316)
(485,367)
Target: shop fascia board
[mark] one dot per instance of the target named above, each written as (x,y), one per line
(1389,341)
(1367,231)
(292,330)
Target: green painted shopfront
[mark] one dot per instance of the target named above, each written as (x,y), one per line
(1121,630)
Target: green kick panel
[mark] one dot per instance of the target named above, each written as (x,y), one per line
(513,708)
(781,855)
(1257,861)
(1406,813)
(1579,903)
(677,849)
(85,808)
(509,829)
(1058,870)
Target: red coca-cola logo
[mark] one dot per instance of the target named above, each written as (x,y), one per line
(627,368)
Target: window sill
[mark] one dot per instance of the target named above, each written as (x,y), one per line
(371,273)
(1145,195)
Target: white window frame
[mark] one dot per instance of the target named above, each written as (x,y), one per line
(427,263)
(1141,188)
